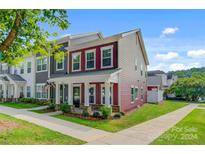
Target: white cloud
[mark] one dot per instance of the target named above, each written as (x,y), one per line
(160,66)
(196,53)
(169,30)
(168,56)
(180,66)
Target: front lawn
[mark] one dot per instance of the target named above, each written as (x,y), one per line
(19,105)
(201,105)
(147,112)
(189,130)
(16,131)
(42,111)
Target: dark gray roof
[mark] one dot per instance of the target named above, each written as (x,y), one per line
(16,77)
(100,72)
(153,73)
(154,80)
(4,78)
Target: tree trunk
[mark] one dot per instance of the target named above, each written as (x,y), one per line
(13,33)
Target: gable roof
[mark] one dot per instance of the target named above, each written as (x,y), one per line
(15,77)
(155,72)
(154,80)
(113,38)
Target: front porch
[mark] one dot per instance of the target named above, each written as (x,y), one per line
(86,91)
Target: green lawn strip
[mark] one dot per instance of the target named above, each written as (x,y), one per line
(188,131)
(19,105)
(201,105)
(28,133)
(147,112)
(42,111)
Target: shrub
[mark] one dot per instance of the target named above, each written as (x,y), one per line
(117,115)
(65,108)
(96,114)
(106,111)
(122,113)
(85,114)
(51,106)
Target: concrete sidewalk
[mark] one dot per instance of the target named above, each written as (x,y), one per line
(68,128)
(146,132)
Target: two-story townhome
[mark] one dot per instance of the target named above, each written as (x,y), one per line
(109,71)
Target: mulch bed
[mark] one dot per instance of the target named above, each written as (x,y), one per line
(6,125)
(83,117)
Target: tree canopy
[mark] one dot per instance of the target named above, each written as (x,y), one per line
(191,88)
(22,33)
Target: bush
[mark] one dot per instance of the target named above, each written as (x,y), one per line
(122,113)
(85,114)
(106,111)
(65,108)
(34,101)
(51,106)
(117,115)
(96,114)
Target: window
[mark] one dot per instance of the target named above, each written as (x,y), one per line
(21,92)
(92,95)
(76,61)
(136,92)
(28,67)
(142,94)
(132,94)
(136,64)
(60,65)
(106,57)
(41,92)
(141,70)
(28,91)
(103,94)
(22,69)
(90,59)
(41,64)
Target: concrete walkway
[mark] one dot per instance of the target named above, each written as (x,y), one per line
(146,132)
(68,128)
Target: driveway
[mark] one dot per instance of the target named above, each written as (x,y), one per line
(146,132)
(68,128)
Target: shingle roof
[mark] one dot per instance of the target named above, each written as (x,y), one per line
(154,80)
(153,73)
(4,78)
(15,77)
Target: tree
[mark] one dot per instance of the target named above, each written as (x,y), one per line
(189,88)
(22,33)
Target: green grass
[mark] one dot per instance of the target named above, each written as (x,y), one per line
(41,111)
(147,112)
(189,131)
(19,105)
(201,105)
(28,133)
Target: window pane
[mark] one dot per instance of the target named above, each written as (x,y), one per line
(107,53)
(136,92)
(60,65)
(107,62)
(90,56)
(132,94)
(44,67)
(76,59)
(90,64)
(76,66)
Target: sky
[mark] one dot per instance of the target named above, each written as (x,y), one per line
(174,39)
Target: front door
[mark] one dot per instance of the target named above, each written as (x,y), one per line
(76,96)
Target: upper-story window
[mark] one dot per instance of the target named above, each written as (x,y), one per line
(76,61)
(60,65)
(22,69)
(107,56)
(41,64)
(90,59)
(29,67)
(4,68)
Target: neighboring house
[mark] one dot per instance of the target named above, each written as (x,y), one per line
(109,71)
(95,71)
(154,89)
(167,79)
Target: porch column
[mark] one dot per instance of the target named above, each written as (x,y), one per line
(49,94)
(107,93)
(86,95)
(4,89)
(57,101)
(15,91)
(70,94)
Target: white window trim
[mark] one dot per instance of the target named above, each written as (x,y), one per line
(90,51)
(63,61)
(94,86)
(42,64)
(77,53)
(103,48)
(111,93)
(132,101)
(28,67)
(40,84)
